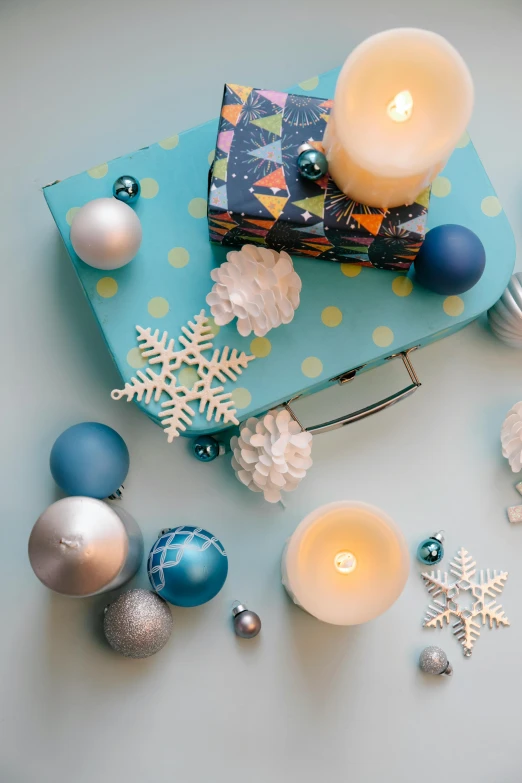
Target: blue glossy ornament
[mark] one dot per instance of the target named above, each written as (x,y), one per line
(187,566)
(206,448)
(89,459)
(430,550)
(312,164)
(126,189)
(451,260)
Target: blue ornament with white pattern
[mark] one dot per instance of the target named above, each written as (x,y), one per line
(187,566)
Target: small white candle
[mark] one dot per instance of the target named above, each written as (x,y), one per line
(346,563)
(403,99)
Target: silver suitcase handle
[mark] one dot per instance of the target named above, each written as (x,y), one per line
(335,424)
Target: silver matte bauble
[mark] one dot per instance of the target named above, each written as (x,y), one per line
(433,660)
(505,318)
(106,233)
(138,624)
(80,546)
(126,189)
(247,624)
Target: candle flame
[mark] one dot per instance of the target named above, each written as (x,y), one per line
(401,107)
(345,562)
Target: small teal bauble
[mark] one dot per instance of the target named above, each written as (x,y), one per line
(451,260)
(312,164)
(206,448)
(187,566)
(126,189)
(89,459)
(430,550)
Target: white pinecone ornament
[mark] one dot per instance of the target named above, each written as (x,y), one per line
(511,437)
(257,286)
(272,454)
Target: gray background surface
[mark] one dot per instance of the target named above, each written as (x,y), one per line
(82,82)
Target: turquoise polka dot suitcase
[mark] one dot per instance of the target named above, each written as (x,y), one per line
(350,319)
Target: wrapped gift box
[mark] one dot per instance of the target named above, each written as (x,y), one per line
(257,196)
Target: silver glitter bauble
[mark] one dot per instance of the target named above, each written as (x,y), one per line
(247,624)
(433,660)
(138,624)
(126,189)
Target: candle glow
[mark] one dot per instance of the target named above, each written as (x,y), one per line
(345,562)
(401,107)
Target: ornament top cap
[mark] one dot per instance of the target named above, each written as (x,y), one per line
(238,608)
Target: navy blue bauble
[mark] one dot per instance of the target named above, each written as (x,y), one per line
(187,566)
(89,459)
(430,551)
(312,164)
(205,448)
(126,189)
(451,260)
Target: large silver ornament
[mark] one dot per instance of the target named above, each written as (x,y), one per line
(433,660)
(505,318)
(138,624)
(446,592)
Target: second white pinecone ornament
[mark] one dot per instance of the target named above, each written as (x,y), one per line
(257,286)
(511,437)
(272,454)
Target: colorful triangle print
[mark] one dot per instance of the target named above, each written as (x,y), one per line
(371,223)
(219,169)
(314,205)
(241,92)
(275,181)
(317,229)
(224,140)
(278,98)
(423,198)
(271,152)
(231,112)
(415,225)
(266,225)
(273,123)
(273,204)
(218,197)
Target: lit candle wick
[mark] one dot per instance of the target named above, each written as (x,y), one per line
(401,107)
(345,562)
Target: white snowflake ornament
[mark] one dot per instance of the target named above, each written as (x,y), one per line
(272,455)
(446,596)
(178,413)
(257,286)
(511,437)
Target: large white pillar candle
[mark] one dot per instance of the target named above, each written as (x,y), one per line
(346,563)
(402,101)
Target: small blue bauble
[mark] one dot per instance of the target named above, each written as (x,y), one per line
(312,164)
(187,566)
(89,459)
(451,260)
(126,189)
(205,448)
(431,551)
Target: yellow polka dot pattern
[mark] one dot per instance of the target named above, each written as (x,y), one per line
(331,316)
(188,376)
(453,305)
(491,206)
(98,171)
(382,336)
(312,367)
(197,208)
(214,328)
(135,359)
(149,187)
(158,307)
(178,257)
(402,286)
(260,347)
(70,214)
(351,270)
(241,398)
(170,142)
(463,141)
(309,84)
(107,287)
(441,187)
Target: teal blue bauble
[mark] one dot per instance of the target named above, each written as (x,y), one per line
(206,448)
(187,566)
(430,550)
(126,189)
(312,164)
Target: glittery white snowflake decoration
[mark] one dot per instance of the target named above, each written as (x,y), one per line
(446,594)
(178,413)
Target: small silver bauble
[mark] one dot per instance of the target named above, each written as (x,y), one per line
(126,189)
(106,233)
(138,624)
(505,318)
(433,660)
(247,624)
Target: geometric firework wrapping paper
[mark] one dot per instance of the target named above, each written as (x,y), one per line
(257,196)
